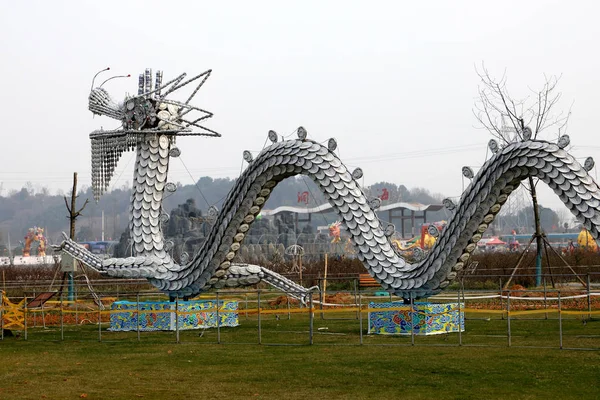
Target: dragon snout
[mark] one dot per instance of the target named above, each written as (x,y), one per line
(101,103)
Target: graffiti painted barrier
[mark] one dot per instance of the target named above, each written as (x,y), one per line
(397,318)
(161,315)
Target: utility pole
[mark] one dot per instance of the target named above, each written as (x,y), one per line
(73,215)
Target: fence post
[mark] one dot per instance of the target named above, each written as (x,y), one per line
(177,319)
(258,302)
(288,307)
(137,308)
(501,301)
(25,320)
(246,296)
(99,322)
(355,295)
(589,297)
(560,332)
(1,315)
(218,320)
(545,298)
(459,319)
(43,316)
(412,320)
(76,307)
(508,316)
(360,320)
(311,320)
(34,319)
(62,319)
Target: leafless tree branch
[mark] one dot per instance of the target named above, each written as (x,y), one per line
(501,114)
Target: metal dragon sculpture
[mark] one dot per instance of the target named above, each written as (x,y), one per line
(152,121)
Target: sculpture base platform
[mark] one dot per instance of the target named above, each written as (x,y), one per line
(160,315)
(397,318)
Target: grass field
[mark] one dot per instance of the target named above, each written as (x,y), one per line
(336,367)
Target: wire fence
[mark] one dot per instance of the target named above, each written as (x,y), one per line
(565,317)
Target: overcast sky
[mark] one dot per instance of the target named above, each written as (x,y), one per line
(394,82)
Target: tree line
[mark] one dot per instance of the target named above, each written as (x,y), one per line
(21,210)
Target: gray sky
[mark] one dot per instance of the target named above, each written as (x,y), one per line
(394,82)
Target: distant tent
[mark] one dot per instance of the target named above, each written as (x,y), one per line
(495,242)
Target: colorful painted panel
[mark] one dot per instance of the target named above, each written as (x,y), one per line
(396,318)
(160,316)
(191,315)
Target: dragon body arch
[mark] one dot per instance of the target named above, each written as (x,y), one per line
(212,266)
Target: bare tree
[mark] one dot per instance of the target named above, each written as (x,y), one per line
(73,212)
(510,120)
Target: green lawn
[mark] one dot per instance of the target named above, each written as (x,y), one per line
(336,367)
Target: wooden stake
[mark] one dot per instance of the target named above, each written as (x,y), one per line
(519,262)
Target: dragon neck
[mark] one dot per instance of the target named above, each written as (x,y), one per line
(149,180)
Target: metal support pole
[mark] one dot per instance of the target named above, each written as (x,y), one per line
(288,307)
(43,317)
(177,319)
(311,318)
(538,266)
(360,320)
(258,302)
(71,282)
(1,315)
(589,296)
(76,308)
(501,301)
(560,330)
(508,317)
(462,286)
(246,296)
(545,298)
(62,320)
(137,307)
(459,319)
(325,279)
(25,321)
(412,320)
(34,318)
(355,296)
(99,322)
(218,320)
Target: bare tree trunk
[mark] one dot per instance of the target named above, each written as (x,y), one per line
(538,234)
(72,216)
